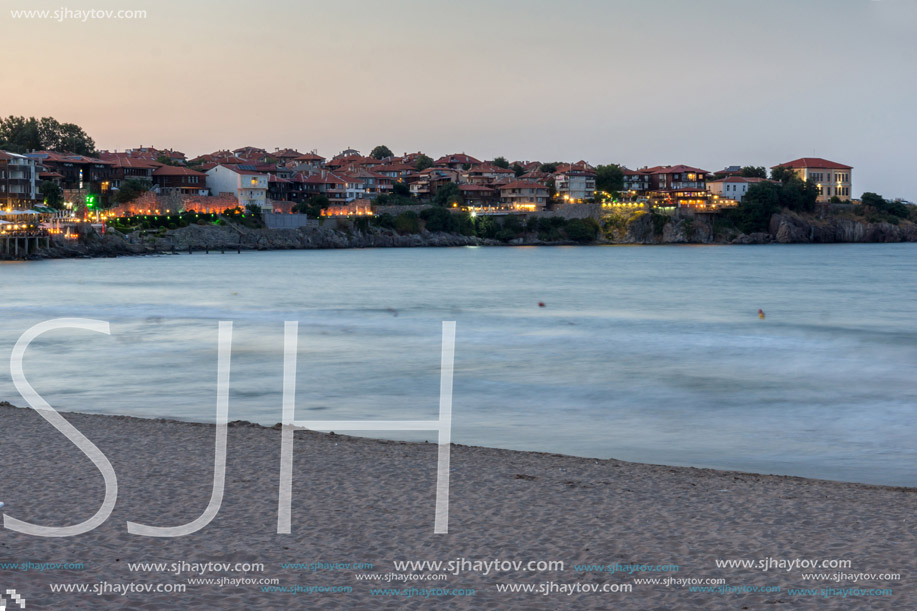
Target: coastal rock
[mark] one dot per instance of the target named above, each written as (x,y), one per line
(675,232)
(788,229)
(640,230)
(753,238)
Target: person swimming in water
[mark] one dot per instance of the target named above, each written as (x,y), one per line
(761,314)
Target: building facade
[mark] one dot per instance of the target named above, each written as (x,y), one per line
(832,179)
(247,186)
(18,188)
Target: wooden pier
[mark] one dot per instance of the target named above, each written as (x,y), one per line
(18,246)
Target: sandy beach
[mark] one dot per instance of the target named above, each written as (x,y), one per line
(359,502)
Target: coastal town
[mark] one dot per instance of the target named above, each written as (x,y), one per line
(352,183)
(47,192)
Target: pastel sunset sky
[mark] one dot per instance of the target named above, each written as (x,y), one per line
(707,83)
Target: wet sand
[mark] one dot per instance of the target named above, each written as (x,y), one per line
(358,500)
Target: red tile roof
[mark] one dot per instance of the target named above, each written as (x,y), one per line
(738,179)
(813,162)
(310,157)
(172,170)
(523,184)
(456,158)
(677,169)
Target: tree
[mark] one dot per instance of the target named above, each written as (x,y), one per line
(518,170)
(753,172)
(582,230)
(312,206)
(447,195)
(165,160)
(782,173)
(131,189)
(407,222)
(882,205)
(501,162)
(548,168)
(423,162)
(758,204)
(52,194)
(381,152)
(401,189)
(438,219)
(21,135)
(609,178)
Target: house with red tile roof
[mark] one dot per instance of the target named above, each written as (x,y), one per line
(426,182)
(574,182)
(308,162)
(395,170)
(325,183)
(79,172)
(524,195)
(170,180)
(458,161)
(124,166)
(732,187)
(246,185)
(485,174)
(479,196)
(832,179)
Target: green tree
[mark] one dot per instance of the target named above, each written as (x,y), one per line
(438,219)
(548,168)
(401,189)
(313,206)
(423,162)
(882,205)
(609,178)
(52,194)
(447,195)
(407,222)
(165,160)
(582,230)
(131,189)
(381,152)
(758,204)
(518,170)
(19,135)
(753,172)
(501,162)
(783,173)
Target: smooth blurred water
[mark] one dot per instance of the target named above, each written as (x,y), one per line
(651,354)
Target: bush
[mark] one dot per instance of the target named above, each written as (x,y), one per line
(582,230)
(385,220)
(438,219)
(407,222)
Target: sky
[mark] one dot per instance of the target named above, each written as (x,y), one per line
(707,83)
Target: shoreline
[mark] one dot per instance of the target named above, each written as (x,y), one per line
(339,436)
(365,500)
(784,228)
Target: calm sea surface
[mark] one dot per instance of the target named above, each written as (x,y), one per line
(651,354)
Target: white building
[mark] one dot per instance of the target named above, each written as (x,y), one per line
(247,186)
(574,183)
(731,187)
(17,181)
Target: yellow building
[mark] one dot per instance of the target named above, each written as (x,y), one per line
(833,179)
